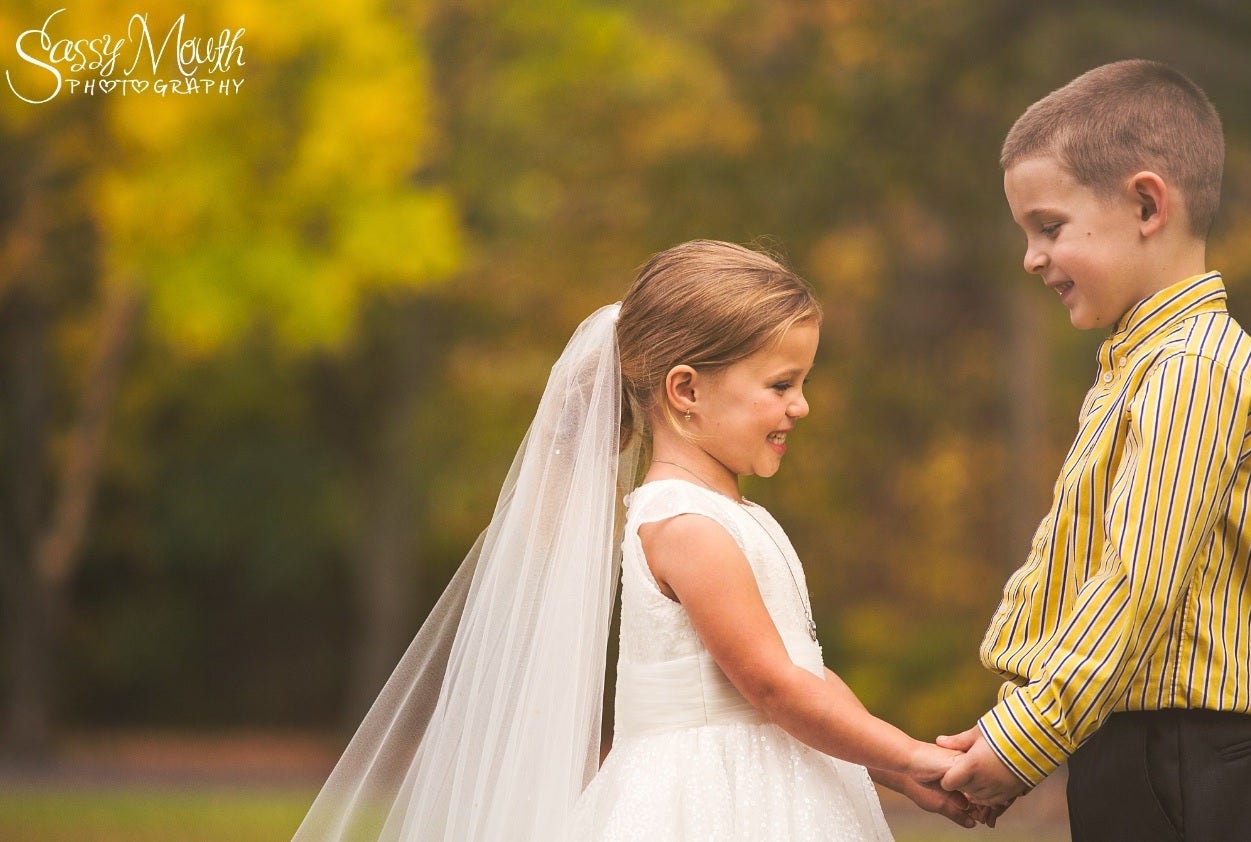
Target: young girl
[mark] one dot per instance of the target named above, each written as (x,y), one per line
(728,725)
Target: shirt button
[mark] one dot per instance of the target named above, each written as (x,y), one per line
(1121,361)
(1107,377)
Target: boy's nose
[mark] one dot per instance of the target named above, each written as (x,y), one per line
(1035,260)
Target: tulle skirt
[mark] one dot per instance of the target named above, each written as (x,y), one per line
(727,783)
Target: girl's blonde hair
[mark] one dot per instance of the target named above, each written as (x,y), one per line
(706,304)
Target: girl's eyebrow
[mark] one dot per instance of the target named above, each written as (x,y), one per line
(791,373)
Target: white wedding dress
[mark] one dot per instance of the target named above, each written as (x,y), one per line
(691,759)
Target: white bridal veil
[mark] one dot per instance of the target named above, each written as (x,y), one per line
(489,727)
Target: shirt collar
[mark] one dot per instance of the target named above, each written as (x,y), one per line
(1156,313)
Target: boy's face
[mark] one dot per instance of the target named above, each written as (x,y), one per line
(1083,245)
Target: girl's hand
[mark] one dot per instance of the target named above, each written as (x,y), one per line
(931,797)
(923,784)
(928,762)
(988,815)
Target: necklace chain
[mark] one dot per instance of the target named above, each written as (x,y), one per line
(803,602)
(705,483)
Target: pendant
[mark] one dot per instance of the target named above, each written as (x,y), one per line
(812,629)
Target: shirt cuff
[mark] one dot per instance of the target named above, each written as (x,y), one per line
(1023,741)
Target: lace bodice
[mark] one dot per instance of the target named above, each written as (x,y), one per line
(665,676)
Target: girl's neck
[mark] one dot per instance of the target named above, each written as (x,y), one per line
(698,468)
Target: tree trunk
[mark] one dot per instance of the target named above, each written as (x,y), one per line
(1029,382)
(25,628)
(61,543)
(386,563)
(40,564)
(32,615)
(385,583)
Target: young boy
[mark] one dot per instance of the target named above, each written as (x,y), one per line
(1125,639)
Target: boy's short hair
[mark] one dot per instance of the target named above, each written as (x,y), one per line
(1125,117)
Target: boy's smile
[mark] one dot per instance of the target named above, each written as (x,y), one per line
(1083,245)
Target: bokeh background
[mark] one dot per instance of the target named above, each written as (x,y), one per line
(265,355)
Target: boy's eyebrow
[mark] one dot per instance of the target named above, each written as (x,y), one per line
(1033,214)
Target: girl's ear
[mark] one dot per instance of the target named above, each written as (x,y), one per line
(680,389)
(1151,194)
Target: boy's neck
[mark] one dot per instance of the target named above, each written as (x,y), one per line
(1172,264)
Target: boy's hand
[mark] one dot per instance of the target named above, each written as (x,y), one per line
(980,774)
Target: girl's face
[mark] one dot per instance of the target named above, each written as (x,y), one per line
(744,412)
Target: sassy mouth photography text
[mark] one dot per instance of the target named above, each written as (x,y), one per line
(143,57)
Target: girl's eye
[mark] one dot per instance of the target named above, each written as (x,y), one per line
(1050,229)
(786,386)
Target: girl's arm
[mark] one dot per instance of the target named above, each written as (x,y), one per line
(928,796)
(697,563)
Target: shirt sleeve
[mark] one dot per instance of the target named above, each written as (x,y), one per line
(1184,430)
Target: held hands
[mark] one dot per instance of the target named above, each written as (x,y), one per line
(921,782)
(980,774)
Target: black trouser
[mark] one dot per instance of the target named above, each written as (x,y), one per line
(1163,776)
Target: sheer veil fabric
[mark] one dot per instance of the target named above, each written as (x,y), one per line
(489,728)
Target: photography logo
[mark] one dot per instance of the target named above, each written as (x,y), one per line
(145,59)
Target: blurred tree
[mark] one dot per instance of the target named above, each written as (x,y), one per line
(279,207)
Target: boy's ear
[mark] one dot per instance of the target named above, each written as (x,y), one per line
(1152,196)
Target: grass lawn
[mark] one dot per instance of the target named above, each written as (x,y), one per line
(1041,816)
(256,788)
(111,814)
(58,813)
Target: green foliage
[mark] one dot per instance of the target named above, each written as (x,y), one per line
(192,592)
(109,815)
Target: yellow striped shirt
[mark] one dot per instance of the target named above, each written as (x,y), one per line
(1136,594)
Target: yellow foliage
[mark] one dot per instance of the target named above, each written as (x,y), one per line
(404,237)
(253,161)
(848,263)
